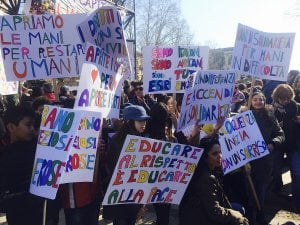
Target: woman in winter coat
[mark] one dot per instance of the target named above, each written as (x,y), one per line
(135,123)
(205,202)
(261,169)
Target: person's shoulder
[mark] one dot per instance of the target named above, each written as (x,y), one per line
(292,108)
(207,176)
(22,146)
(206,181)
(298,106)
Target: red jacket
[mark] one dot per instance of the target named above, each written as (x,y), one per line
(50,96)
(76,195)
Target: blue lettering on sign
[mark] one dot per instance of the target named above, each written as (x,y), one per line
(159,85)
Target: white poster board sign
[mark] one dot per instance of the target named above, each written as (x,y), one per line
(151,171)
(41,46)
(57,130)
(241,141)
(104,28)
(66,149)
(263,55)
(208,99)
(170,69)
(7,88)
(80,164)
(100,84)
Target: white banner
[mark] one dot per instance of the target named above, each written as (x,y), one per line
(104,28)
(81,161)
(66,149)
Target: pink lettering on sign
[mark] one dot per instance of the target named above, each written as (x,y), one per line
(161,52)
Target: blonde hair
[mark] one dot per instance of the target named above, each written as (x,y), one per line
(283,91)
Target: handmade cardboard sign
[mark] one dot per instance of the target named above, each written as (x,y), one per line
(263,55)
(66,149)
(100,83)
(80,164)
(171,69)
(151,171)
(208,99)
(241,141)
(40,46)
(104,28)
(57,130)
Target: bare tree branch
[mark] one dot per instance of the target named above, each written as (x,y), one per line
(161,23)
(10,7)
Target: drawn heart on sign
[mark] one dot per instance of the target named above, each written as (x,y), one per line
(94,74)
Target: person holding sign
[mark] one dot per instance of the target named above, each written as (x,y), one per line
(160,128)
(205,201)
(135,124)
(261,169)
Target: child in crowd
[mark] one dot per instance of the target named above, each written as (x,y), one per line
(135,118)
(261,169)
(16,162)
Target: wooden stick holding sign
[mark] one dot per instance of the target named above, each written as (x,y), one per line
(55,88)
(45,212)
(98,155)
(251,91)
(174,103)
(247,167)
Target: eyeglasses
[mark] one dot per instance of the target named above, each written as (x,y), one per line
(139,89)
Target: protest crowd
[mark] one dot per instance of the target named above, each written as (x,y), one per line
(155,116)
(211,142)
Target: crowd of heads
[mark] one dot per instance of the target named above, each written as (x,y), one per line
(37,94)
